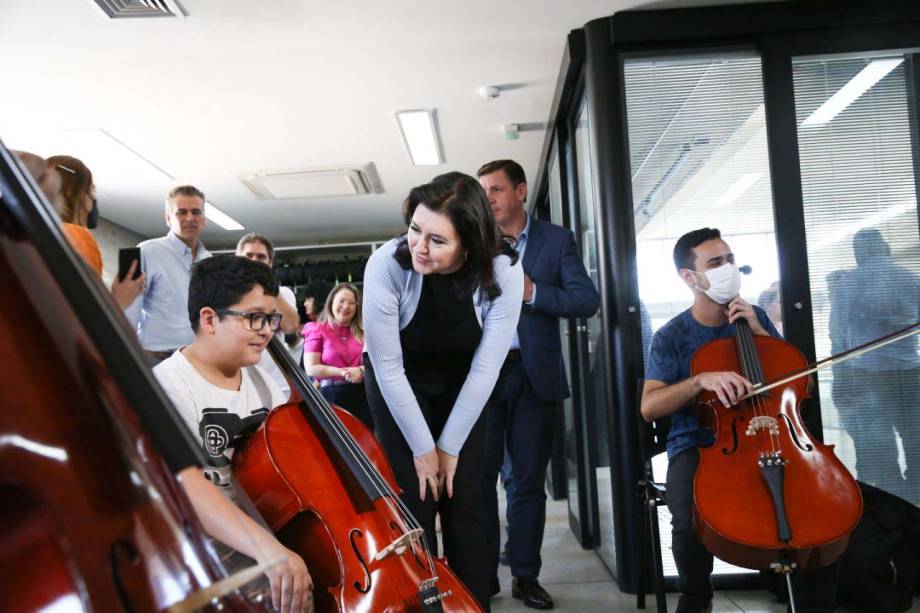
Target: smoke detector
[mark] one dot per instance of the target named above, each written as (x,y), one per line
(489,92)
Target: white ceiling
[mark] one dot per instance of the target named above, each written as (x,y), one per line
(241,86)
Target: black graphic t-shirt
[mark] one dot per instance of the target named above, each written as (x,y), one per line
(219,418)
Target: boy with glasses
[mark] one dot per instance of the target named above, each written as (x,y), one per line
(223,396)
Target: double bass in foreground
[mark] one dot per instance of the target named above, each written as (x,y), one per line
(92,516)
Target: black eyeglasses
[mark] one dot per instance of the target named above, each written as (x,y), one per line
(257,321)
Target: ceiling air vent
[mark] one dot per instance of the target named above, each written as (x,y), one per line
(118,9)
(345,180)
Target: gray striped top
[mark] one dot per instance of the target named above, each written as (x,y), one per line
(391,296)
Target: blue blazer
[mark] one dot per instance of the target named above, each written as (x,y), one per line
(552,262)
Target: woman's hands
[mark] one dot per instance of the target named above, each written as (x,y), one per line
(292,586)
(447,467)
(354,374)
(436,470)
(426,467)
(128,289)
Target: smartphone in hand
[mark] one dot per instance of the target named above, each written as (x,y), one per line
(125,257)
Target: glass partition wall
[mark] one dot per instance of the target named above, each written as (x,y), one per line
(796,134)
(698,158)
(856,142)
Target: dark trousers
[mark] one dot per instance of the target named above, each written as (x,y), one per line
(815,591)
(694,562)
(352,398)
(461,525)
(522,423)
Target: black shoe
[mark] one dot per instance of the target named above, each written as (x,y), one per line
(494,587)
(688,603)
(528,589)
(503,558)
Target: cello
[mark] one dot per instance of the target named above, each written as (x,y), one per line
(91,514)
(767,495)
(319,478)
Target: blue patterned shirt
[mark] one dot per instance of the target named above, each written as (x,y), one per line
(672,349)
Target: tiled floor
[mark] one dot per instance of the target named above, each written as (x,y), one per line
(578,581)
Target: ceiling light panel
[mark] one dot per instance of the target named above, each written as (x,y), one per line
(420,134)
(212,213)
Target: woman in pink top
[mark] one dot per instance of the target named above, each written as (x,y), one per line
(332,351)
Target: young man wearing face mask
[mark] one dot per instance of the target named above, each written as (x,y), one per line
(707,265)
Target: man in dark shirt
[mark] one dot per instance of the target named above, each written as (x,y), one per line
(706,264)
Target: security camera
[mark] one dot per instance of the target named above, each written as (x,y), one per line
(489,92)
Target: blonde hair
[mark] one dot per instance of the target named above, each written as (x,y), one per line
(357,328)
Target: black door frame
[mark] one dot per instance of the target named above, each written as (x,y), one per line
(777,31)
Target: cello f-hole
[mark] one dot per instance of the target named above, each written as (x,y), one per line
(795,437)
(734,448)
(367,576)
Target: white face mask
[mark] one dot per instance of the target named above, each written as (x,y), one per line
(724,283)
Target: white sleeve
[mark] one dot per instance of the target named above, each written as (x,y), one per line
(180,393)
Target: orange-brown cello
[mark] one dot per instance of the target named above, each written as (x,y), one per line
(319,478)
(767,495)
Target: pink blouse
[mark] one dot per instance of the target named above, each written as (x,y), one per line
(336,345)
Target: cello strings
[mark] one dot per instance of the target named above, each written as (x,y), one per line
(383,488)
(758,375)
(753,372)
(380,484)
(774,438)
(400,511)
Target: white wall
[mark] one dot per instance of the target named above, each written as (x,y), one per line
(112,237)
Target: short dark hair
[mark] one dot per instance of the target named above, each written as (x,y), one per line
(683,249)
(462,200)
(512,169)
(254,237)
(222,280)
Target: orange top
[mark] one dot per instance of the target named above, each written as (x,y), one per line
(85,244)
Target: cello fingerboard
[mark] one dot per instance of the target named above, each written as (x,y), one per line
(747,353)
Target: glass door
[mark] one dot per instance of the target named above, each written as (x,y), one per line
(698,158)
(856,117)
(588,388)
(561,478)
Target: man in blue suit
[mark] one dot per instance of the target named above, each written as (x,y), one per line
(532,381)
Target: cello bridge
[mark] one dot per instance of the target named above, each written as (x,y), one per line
(400,545)
(426,584)
(760,423)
